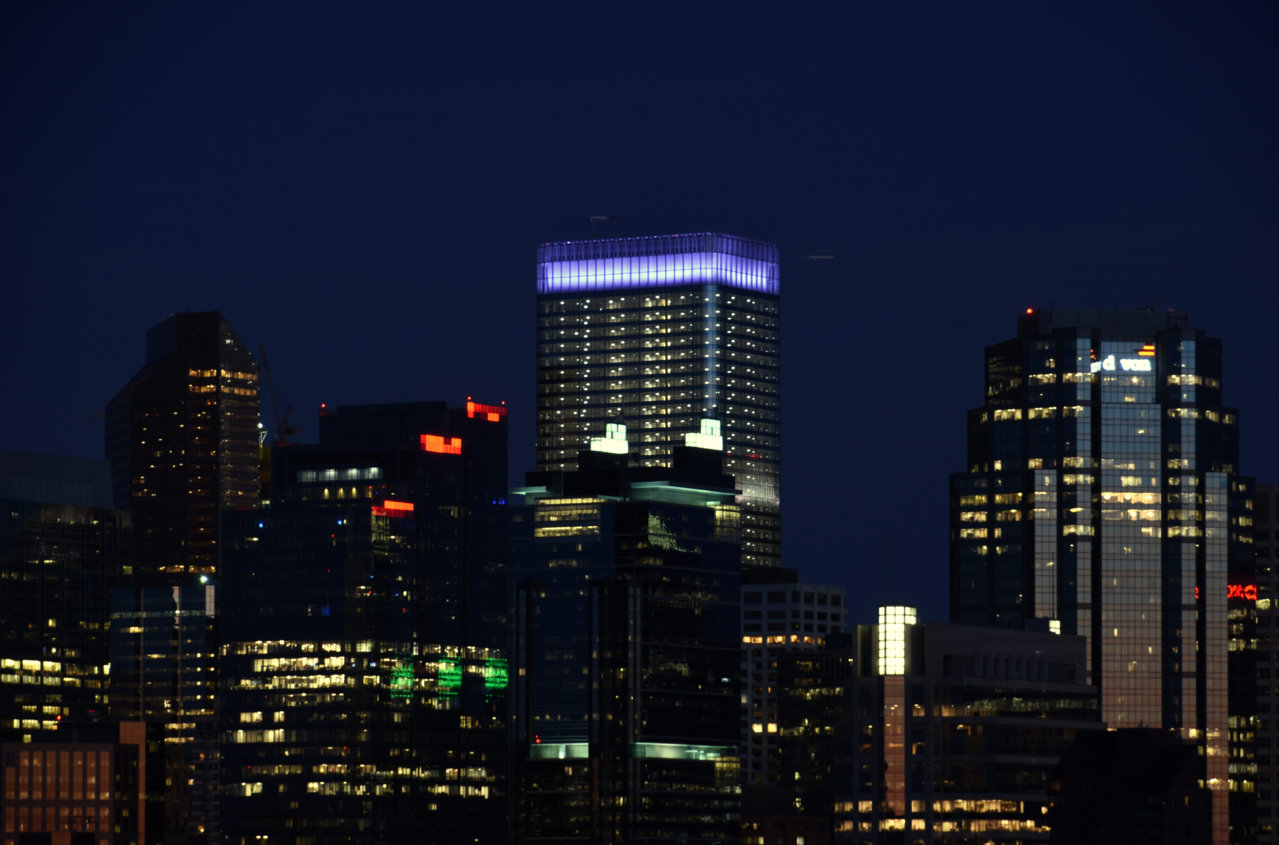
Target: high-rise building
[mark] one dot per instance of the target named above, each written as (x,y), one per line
(62,549)
(657,334)
(182,440)
(1103,498)
(364,661)
(625,663)
(1266,594)
(955,731)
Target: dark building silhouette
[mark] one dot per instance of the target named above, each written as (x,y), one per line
(953,731)
(1136,786)
(364,668)
(62,549)
(658,333)
(627,650)
(182,440)
(1103,498)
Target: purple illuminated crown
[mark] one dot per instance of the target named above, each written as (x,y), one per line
(657,261)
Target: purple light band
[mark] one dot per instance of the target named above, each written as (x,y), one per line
(645,271)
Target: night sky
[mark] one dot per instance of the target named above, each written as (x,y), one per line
(362,189)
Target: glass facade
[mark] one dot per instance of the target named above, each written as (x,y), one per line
(658,334)
(1102,499)
(164,673)
(626,693)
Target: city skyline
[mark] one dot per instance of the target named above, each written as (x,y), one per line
(343,187)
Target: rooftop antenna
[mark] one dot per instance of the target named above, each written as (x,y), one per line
(596,219)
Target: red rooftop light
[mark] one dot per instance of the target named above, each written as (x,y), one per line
(492,413)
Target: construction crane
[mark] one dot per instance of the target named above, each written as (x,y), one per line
(282,427)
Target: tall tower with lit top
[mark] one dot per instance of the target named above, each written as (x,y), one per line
(657,334)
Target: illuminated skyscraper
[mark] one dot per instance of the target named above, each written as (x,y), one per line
(658,333)
(182,440)
(1102,499)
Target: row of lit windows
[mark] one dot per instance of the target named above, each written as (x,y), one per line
(235,374)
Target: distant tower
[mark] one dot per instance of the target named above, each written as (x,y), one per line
(1102,498)
(659,333)
(182,440)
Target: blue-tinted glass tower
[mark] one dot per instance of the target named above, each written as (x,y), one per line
(658,333)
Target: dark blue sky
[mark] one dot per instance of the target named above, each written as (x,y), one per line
(362,189)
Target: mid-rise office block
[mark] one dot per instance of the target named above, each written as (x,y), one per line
(1103,499)
(364,694)
(779,616)
(657,334)
(86,787)
(626,653)
(182,439)
(956,730)
(62,550)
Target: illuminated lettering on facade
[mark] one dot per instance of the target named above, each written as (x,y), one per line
(1241,591)
(1129,365)
(1247,592)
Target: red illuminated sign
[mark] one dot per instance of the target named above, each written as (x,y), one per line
(492,413)
(1247,592)
(393,508)
(1241,591)
(1147,351)
(441,445)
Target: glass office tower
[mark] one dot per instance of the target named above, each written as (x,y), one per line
(1102,499)
(659,333)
